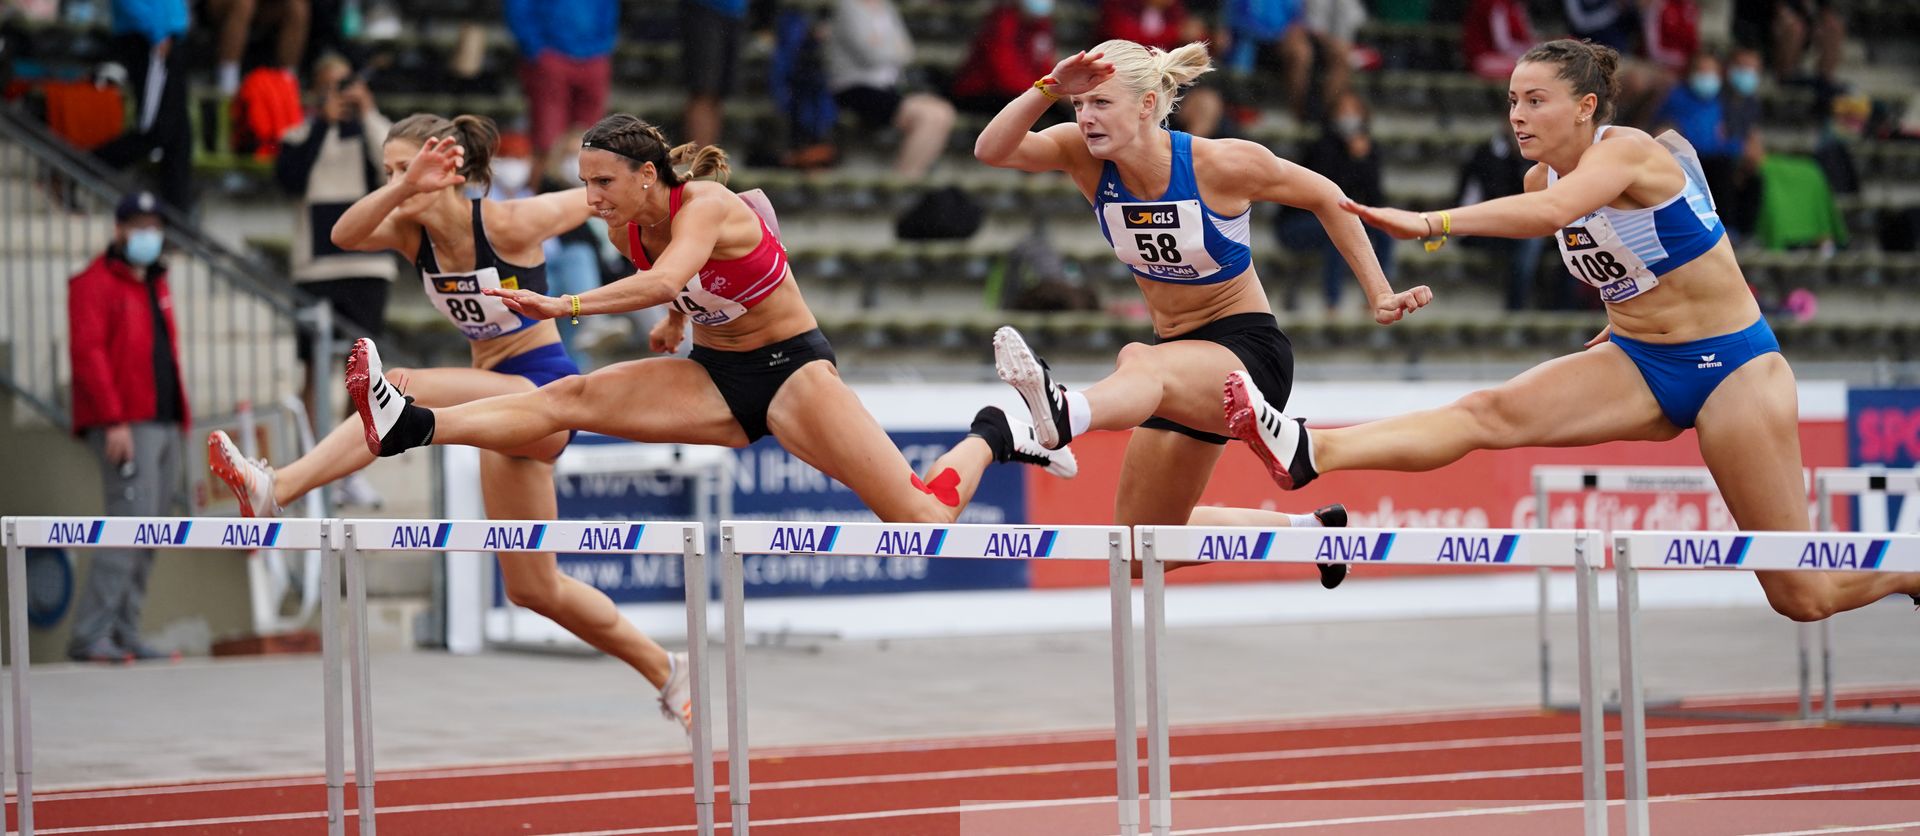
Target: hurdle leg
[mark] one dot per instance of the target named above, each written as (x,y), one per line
(1593,749)
(1826,669)
(1540,611)
(694,571)
(734,593)
(363,775)
(1125,734)
(330,681)
(20,661)
(1633,709)
(1159,789)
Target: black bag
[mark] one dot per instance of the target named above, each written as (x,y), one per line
(942,214)
(1900,229)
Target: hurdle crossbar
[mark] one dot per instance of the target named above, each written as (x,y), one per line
(687,539)
(1551,479)
(1759,551)
(1459,548)
(173,533)
(990,542)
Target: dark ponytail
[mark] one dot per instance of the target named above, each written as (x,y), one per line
(478,137)
(1585,66)
(631,137)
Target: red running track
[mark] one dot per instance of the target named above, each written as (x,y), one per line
(1486,772)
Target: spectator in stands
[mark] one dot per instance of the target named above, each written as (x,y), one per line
(1693,108)
(798,84)
(513,169)
(1784,29)
(145,36)
(710,56)
(1735,180)
(239,19)
(1671,34)
(866,56)
(565,64)
(574,256)
(1165,25)
(1496,169)
(1326,30)
(1345,154)
(130,406)
(1606,22)
(1493,36)
(1013,48)
(1614,24)
(328,162)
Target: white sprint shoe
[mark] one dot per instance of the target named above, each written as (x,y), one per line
(1028,375)
(1281,442)
(676,697)
(377,401)
(251,481)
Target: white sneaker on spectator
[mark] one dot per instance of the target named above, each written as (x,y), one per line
(356,492)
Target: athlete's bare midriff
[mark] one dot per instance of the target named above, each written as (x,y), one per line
(1706,297)
(1179,308)
(783,315)
(493,352)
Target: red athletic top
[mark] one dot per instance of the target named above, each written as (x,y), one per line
(724,289)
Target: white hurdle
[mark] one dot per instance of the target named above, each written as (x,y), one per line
(1787,551)
(687,539)
(1861,482)
(990,542)
(22,533)
(1458,548)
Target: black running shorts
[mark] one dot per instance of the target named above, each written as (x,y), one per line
(1263,349)
(748,380)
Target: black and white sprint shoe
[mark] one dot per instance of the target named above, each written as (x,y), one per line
(382,407)
(1281,442)
(1028,375)
(1014,440)
(1332,516)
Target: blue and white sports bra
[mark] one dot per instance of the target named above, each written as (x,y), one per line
(1174,239)
(1624,252)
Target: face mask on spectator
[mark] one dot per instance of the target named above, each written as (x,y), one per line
(1349,125)
(143,246)
(570,170)
(511,173)
(1705,85)
(1744,81)
(1037,8)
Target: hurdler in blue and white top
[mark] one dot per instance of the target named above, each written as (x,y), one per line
(523,536)
(167,533)
(1771,551)
(887,539)
(1425,546)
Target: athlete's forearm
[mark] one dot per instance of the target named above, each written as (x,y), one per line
(1002,136)
(366,214)
(633,293)
(1529,215)
(1349,235)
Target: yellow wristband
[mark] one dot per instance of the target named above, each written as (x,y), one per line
(576,307)
(1446,228)
(1045,86)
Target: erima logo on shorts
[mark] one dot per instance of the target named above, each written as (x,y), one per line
(1578,238)
(1707,361)
(1153,216)
(459,284)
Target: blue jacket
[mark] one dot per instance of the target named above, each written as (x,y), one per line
(576,28)
(1700,121)
(155,20)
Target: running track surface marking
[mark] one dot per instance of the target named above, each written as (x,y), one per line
(1473,772)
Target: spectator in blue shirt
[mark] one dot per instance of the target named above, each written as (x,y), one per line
(565,64)
(1693,108)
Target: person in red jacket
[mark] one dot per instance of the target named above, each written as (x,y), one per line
(1013,46)
(129,405)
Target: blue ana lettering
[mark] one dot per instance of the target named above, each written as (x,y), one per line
(509,537)
(1829,556)
(67,533)
(244,535)
(901,542)
(412,537)
(1009,544)
(600,539)
(1465,550)
(153,533)
(1224,547)
(1336,547)
(1694,553)
(794,540)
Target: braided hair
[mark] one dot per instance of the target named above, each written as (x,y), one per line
(631,137)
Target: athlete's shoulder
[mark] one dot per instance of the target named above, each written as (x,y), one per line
(1623,142)
(1536,178)
(1229,152)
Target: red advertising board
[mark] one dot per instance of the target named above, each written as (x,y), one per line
(1488,489)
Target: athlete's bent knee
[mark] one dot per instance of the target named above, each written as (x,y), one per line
(1491,411)
(1800,602)
(542,597)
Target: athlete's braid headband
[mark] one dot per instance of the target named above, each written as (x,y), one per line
(640,128)
(611,150)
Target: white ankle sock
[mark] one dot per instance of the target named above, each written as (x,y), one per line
(1079,414)
(1303,521)
(229,76)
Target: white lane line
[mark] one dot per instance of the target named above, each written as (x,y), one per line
(865,780)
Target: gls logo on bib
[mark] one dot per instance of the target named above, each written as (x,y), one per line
(1153,216)
(1578,238)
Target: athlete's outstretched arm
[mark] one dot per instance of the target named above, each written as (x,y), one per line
(1275,180)
(368,225)
(696,229)
(528,221)
(1606,171)
(1009,141)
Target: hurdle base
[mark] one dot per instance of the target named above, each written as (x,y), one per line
(297,641)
